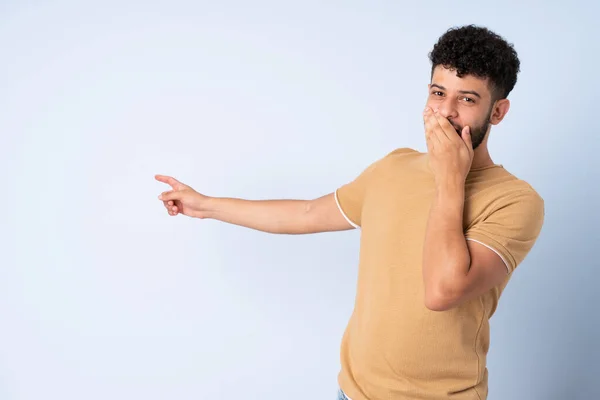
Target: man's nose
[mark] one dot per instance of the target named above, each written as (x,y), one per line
(447,108)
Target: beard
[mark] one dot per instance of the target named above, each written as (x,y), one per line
(477,132)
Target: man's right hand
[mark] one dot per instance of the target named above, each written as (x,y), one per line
(182,199)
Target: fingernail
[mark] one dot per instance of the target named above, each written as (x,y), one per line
(160,197)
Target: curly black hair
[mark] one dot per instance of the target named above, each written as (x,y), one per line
(477,51)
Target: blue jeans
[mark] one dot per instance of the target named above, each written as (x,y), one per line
(341,395)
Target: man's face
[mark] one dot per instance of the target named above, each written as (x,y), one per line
(464,101)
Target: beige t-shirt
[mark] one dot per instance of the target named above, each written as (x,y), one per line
(394,347)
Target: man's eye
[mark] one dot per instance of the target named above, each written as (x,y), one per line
(438,93)
(469,100)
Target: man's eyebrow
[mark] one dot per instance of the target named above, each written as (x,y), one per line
(474,93)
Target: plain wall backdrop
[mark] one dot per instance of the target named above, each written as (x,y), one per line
(104,296)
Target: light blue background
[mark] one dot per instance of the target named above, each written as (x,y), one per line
(103,296)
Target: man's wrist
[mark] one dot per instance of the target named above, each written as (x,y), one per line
(450,184)
(208,208)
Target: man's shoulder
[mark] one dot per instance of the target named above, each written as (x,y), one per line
(400,153)
(516,186)
(525,194)
(513,192)
(403,151)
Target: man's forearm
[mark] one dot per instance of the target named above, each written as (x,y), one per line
(446,256)
(272,216)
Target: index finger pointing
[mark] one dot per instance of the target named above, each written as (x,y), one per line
(167,179)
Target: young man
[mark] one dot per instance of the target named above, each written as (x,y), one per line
(441,233)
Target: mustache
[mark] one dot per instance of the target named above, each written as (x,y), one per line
(458,129)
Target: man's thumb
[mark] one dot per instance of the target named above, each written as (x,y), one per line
(466,134)
(170,195)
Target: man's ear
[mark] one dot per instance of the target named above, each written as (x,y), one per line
(499,111)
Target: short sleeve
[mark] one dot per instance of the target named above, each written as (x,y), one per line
(349,197)
(511,229)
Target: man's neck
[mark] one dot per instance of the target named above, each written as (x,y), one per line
(481,157)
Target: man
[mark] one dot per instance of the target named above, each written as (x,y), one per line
(441,233)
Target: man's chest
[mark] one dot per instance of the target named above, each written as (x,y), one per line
(396,206)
